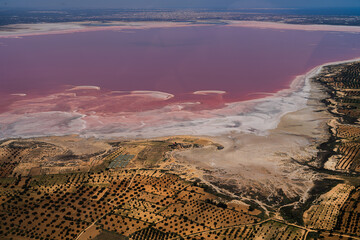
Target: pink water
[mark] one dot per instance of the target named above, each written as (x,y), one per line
(246,63)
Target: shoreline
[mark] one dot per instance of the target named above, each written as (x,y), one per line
(343,124)
(297,92)
(287,170)
(266,173)
(36,29)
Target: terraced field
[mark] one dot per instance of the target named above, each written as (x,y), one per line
(350,157)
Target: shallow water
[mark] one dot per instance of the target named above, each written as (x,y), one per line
(246,63)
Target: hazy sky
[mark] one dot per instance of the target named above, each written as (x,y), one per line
(59,4)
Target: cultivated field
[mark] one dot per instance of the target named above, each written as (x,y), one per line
(325,210)
(343,84)
(127,202)
(348,221)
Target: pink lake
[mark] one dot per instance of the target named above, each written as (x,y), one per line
(246,63)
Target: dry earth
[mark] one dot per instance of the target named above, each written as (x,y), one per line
(262,166)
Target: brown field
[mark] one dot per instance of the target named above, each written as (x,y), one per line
(348,221)
(348,132)
(328,236)
(344,84)
(337,210)
(57,155)
(325,210)
(267,230)
(209,214)
(350,157)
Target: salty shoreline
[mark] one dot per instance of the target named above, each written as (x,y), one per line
(257,116)
(23,30)
(267,173)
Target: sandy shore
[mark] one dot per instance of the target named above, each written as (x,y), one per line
(258,166)
(254,117)
(23,30)
(286,26)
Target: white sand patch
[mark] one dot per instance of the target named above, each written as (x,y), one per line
(118,92)
(22,30)
(40,124)
(153,94)
(190,103)
(330,164)
(84,88)
(35,29)
(206,92)
(19,94)
(286,26)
